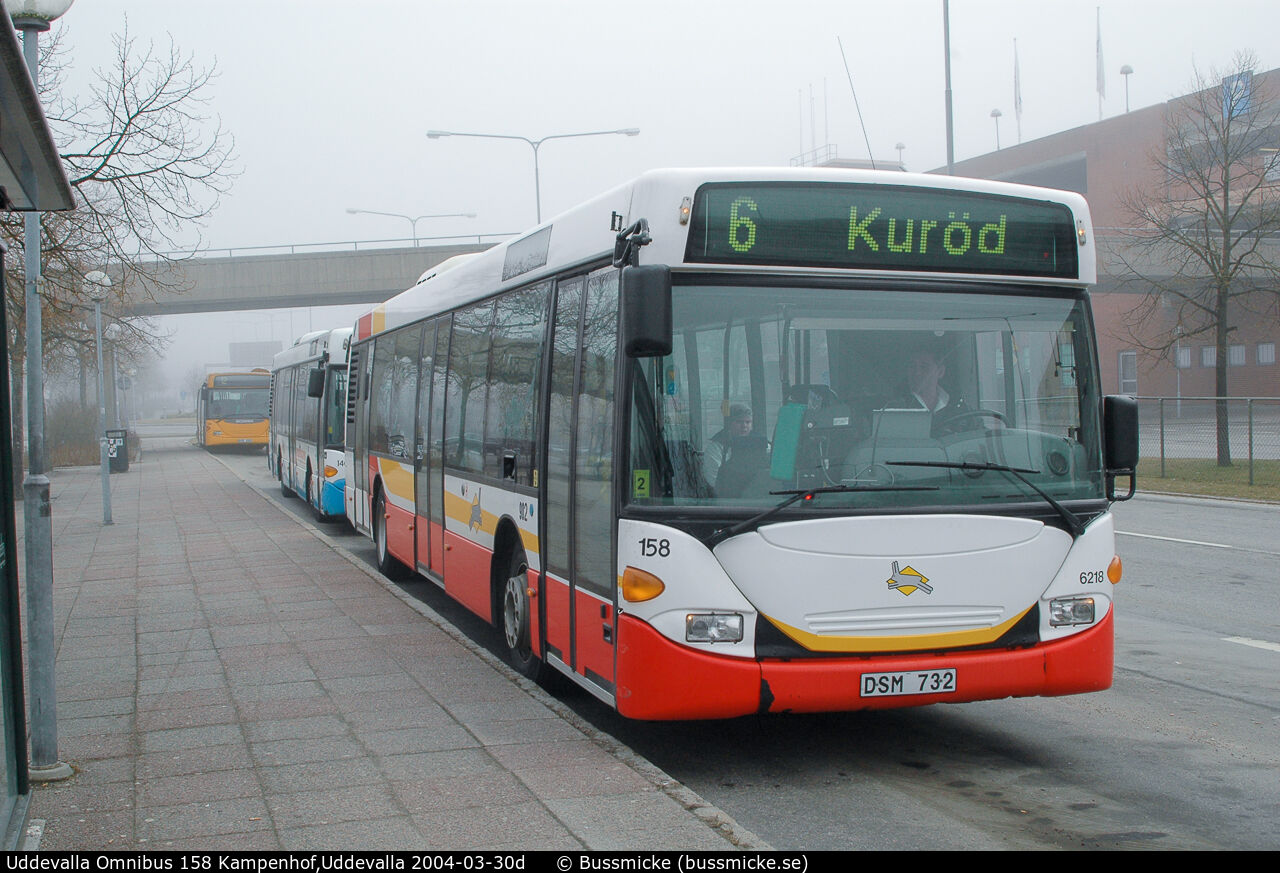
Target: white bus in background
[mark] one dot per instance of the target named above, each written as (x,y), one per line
(665,442)
(308,418)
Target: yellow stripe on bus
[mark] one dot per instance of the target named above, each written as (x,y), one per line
(397,478)
(951,639)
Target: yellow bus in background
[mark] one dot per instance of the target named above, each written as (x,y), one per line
(232,409)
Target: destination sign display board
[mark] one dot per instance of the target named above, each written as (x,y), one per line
(881,227)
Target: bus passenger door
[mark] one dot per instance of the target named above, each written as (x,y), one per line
(424,497)
(580,589)
(358,387)
(556,602)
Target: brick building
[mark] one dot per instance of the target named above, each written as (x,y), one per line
(1103,161)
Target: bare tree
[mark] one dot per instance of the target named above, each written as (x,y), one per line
(1206,229)
(147,164)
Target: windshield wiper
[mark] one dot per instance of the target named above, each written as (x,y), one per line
(1073,522)
(795,496)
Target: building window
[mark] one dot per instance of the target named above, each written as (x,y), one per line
(1235,356)
(1208,356)
(1128,372)
(1183,360)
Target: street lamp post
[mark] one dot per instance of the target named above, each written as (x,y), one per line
(33,17)
(1126,71)
(900,146)
(413,222)
(996,114)
(535,144)
(98,284)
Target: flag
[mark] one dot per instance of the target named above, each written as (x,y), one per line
(1102,79)
(1017,91)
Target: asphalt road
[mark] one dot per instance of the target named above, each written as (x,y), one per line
(1183,752)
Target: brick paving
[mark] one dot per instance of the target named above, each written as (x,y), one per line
(227,680)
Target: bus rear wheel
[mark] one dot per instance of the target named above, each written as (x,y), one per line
(387,564)
(516,624)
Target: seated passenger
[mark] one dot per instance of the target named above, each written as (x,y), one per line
(734,456)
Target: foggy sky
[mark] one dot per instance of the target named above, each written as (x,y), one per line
(329,102)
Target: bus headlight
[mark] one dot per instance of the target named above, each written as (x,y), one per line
(1070,610)
(713,627)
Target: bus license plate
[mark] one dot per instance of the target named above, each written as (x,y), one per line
(909,682)
(246,440)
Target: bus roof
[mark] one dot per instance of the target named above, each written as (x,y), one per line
(312,346)
(585,235)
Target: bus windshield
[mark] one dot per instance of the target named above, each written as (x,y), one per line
(238,403)
(892,396)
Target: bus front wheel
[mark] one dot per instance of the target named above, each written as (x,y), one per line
(284,488)
(516,624)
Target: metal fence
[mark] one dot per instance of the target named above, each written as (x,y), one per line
(1176,430)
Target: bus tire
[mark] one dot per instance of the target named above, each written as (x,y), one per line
(284,488)
(312,500)
(387,564)
(515,616)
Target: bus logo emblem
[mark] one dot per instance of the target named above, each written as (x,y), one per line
(907,580)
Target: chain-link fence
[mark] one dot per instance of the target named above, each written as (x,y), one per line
(1179,437)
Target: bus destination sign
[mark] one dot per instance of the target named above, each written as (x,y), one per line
(881,227)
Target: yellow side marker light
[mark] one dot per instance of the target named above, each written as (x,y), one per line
(330,472)
(1115,570)
(639,586)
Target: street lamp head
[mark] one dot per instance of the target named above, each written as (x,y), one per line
(1126,70)
(97,283)
(996,113)
(436,134)
(36,14)
(630,131)
(352,211)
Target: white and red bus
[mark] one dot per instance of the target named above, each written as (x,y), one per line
(678,443)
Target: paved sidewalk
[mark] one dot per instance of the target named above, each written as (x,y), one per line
(228,680)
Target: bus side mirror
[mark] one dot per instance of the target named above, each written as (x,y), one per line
(315,382)
(646,311)
(1120,440)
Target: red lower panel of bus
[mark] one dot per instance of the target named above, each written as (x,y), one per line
(658,679)
(466,574)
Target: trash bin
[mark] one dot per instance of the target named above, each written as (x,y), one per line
(118,451)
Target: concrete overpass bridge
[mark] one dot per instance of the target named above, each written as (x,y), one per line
(370,272)
(296,276)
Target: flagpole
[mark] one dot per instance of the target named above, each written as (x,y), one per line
(1017,90)
(1102,81)
(946,60)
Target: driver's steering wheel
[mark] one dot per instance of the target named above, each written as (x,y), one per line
(949,426)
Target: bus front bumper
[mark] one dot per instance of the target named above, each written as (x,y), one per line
(662,680)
